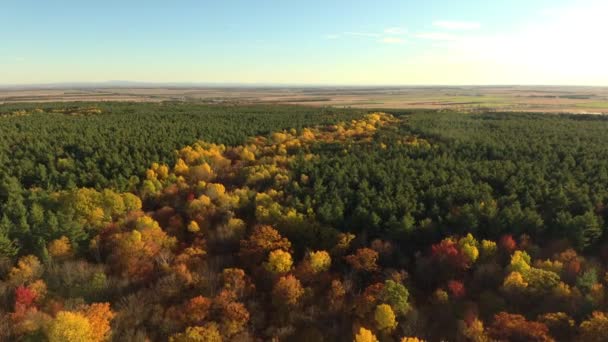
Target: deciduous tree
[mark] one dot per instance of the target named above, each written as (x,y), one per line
(287,290)
(365,335)
(385,317)
(364,260)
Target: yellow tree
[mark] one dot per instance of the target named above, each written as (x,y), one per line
(215,191)
(180,168)
(488,248)
(207,333)
(279,261)
(201,173)
(520,262)
(28,269)
(515,282)
(193,227)
(473,331)
(131,201)
(246,154)
(320,261)
(70,326)
(385,317)
(468,246)
(365,335)
(60,248)
(99,316)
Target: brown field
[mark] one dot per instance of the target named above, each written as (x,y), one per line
(582,100)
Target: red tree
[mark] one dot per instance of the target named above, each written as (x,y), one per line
(24,297)
(507,243)
(457,289)
(363,260)
(447,252)
(512,327)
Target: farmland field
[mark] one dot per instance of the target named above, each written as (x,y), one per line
(582,100)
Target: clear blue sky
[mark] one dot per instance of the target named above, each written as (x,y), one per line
(305,42)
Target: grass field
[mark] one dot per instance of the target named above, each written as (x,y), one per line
(598,105)
(583,100)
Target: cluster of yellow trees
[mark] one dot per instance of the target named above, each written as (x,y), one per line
(222,180)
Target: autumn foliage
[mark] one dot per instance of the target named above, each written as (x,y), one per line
(229,244)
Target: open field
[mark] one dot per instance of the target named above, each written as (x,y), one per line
(581,100)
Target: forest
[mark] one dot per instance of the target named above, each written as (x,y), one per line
(186,222)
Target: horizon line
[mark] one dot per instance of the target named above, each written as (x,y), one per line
(153,84)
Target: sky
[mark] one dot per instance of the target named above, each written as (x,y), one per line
(313,42)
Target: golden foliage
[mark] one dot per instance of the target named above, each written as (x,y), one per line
(595,329)
(70,326)
(365,335)
(288,290)
(207,333)
(320,261)
(468,246)
(99,316)
(555,266)
(132,252)
(514,282)
(488,248)
(180,168)
(39,288)
(28,269)
(215,191)
(60,248)
(279,261)
(520,262)
(385,317)
(201,172)
(473,331)
(193,227)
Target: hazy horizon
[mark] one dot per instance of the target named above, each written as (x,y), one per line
(389,42)
(194,84)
